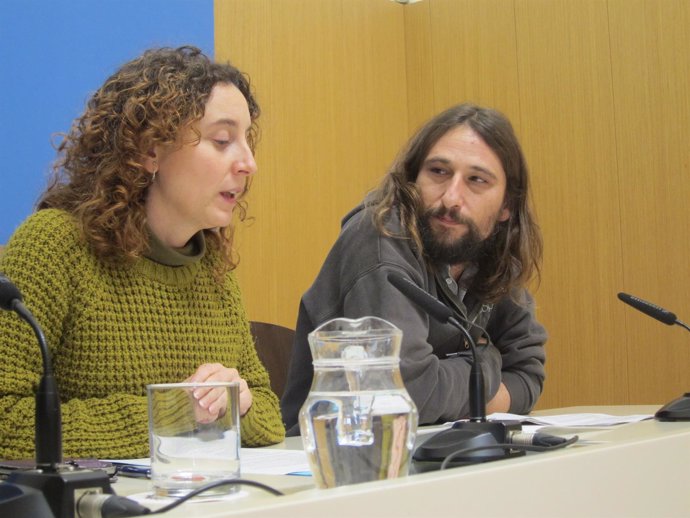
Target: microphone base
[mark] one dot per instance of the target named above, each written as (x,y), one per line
(676,410)
(23,501)
(464,435)
(63,488)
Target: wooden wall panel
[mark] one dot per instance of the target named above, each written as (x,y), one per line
(568,133)
(460,51)
(421,102)
(474,54)
(598,93)
(650,52)
(330,75)
(544,64)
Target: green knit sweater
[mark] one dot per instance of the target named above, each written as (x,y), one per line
(112,331)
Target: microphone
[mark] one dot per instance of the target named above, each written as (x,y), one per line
(9,294)
(650,309)
(477,432)
(424,300)
(68,492)
(678,409)
(442,313)
(48,424)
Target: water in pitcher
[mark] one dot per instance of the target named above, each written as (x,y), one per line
(351,438)
(358,422)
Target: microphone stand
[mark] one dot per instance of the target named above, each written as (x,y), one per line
(476,432)
(678,409)
(61,486)
(48,432)
(477,398)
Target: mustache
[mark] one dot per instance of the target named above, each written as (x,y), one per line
(452,214)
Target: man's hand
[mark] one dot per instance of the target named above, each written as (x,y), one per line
(213,403)
(500,402)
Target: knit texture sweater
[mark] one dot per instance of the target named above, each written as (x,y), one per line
(111,331)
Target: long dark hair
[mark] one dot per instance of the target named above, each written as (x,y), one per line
(99,175)
(516,258)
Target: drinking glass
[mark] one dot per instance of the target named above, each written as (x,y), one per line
(190,445)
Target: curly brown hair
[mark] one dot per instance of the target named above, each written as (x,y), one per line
(100,176)
(516,258)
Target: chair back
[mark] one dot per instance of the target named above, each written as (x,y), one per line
(274,347)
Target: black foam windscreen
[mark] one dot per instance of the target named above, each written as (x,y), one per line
(8,293)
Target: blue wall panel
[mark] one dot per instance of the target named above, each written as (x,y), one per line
(53,55)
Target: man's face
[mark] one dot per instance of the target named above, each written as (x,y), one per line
(462,186)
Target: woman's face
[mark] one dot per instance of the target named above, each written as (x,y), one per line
(198,183)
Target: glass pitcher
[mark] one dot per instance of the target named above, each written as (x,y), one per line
(358,422)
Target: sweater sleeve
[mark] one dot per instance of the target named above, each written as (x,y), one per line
(262,424)
(39,260)
(520,339)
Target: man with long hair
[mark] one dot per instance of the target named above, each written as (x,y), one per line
(453,216)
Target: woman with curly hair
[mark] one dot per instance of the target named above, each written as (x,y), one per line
(128,261)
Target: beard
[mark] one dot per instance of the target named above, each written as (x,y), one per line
(441,249)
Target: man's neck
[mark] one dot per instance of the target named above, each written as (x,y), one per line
(456,270)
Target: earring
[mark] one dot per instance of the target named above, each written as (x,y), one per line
(153,177)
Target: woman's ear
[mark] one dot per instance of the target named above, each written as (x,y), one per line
(151,160)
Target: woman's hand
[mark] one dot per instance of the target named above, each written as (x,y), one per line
(213,403)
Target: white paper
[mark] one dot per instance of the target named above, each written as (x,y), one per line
(273,461)
(256,461)
(571,420)
(222,447)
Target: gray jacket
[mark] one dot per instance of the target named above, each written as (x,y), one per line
(353,283)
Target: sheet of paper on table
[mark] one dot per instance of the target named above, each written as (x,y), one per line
(255,461)
(569,420)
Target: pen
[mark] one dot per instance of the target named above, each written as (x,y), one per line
(134,471)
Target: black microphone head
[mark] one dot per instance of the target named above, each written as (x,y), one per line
(648,308)
(424,300)
(8,293)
